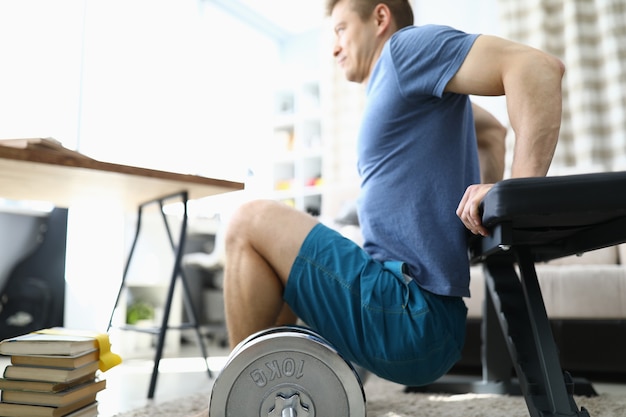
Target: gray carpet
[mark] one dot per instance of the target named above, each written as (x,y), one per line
(385,399)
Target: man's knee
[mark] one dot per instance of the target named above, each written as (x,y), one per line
(245,221)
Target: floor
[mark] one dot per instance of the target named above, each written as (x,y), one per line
(127,384)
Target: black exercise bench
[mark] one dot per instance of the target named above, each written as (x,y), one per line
(534,220)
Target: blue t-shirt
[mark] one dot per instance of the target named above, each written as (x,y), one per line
(417,155)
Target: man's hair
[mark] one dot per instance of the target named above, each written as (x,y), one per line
(400,9)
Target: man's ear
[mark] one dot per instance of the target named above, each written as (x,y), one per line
(382,16)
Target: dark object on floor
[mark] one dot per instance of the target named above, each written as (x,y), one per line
(34,295)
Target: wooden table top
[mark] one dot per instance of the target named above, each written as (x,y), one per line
(42,169)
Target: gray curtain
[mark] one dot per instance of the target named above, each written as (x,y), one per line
(590,37)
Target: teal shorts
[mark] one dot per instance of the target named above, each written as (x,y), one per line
(372,313)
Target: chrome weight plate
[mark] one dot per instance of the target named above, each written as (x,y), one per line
(286,371)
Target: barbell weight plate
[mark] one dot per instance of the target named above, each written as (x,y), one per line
(361,373)
(289,367)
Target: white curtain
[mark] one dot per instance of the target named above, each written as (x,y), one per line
(590,37)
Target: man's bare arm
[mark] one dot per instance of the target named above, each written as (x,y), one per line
(490,136)
(531,81)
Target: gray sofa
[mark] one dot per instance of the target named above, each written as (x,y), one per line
(585,298)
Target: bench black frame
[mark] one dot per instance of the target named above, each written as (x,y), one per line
(533,220)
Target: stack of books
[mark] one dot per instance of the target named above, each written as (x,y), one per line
(50,375)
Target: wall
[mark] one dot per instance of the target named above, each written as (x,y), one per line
(150,83)
(169,84)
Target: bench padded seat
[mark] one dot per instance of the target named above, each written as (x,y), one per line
(556,216)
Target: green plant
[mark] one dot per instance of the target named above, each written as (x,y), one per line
(139,310)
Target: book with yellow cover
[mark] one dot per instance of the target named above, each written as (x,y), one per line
(47,344)
(41,386)
(89,411)
(60,341)
(57,361)
(41,373)
(55,399)
(28,410)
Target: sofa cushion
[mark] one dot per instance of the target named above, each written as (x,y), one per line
(604,256)
(569,291)
(621,250)
(584,291)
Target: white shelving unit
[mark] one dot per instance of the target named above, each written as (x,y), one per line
(296,176)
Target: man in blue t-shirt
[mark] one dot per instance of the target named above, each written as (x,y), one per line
(426,157)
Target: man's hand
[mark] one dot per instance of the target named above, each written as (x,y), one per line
(468,210)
